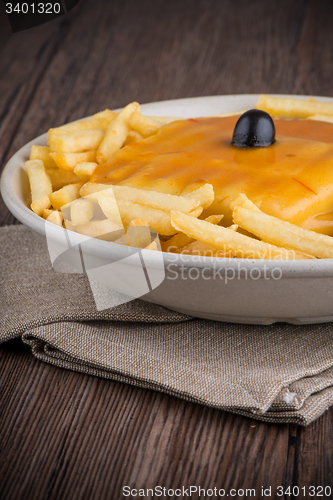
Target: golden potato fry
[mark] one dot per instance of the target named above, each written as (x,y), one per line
(60,178)
(53,216)
(139,222)
(85,170)
(40,186)
(144,125)
(116,133)
(196,212)
(293,108)
(77,141)
(101,229)
(42,153)
(122,240)
(68,225)
(205,195)
(65,195)
(47,212)
(155,199)
(157,219)
(228,240)
(214,219)
(39,205)
(152,246)
(164,120)
(152,199)
(81,211)
(138,233)
(242,201)
(100,121)
(179,240)
(283,233)
(90,188)
(132,136)
(192,186)
(68,161)
(109,206)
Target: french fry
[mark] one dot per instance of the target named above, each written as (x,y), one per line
(47,212)
(152,199)
(109,206)
(158,219)
(132,136)
(138,233)
(144,125)
(60,178)
(81,211)
(293,108)
(152,246)
(53,216)
(116,133)
(39,205)
(68,225)
(65,195)
(214,219)
(196,212)
(204,194)
(68,161)
(242,201)
(283,233)
(180,240)
(90,188)
(164,120)
(42,153)
(101,229)
(100,121)
(77,141)
(122,240)
(40,186)
(85,170)
(227,240)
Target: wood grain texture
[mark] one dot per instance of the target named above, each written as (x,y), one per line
(66,435)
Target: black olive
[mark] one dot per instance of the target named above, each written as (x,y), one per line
(254,129)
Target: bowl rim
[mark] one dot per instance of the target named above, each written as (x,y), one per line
(298,268)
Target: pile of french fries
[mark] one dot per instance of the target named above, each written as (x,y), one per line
(62,194)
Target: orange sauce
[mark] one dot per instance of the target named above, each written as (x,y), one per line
(292,179)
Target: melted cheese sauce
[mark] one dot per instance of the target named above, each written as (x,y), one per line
(292,179)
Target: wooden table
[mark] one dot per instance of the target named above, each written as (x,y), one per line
(65,435)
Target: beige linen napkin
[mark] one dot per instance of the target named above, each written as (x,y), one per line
(277,373)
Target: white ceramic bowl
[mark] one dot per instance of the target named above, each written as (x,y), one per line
(235,290)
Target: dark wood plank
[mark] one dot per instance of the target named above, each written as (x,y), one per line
(162,440)
(120,435)
(67,435)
